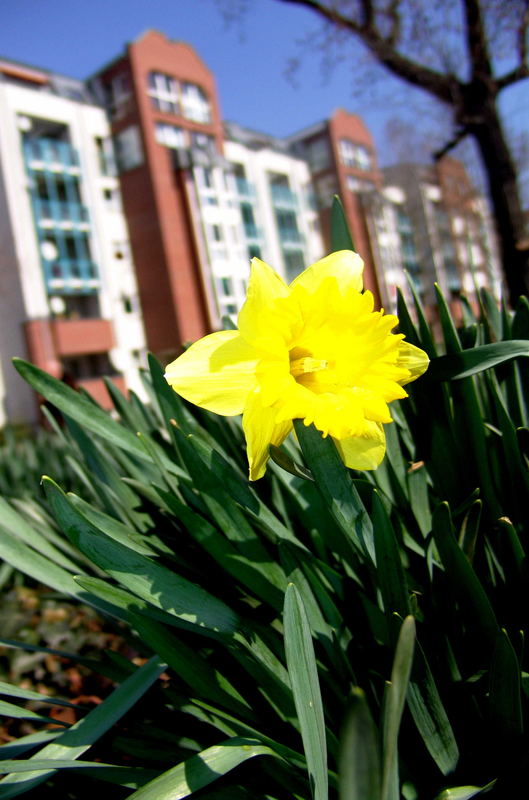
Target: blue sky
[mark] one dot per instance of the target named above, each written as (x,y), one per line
(250,59)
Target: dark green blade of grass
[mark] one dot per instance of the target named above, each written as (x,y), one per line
(359,762)
(151,581)
(303,675)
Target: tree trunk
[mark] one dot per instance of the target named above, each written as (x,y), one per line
(507,207)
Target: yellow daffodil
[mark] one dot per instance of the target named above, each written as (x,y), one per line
(315,350)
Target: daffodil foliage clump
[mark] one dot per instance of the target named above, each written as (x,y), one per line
(318,632)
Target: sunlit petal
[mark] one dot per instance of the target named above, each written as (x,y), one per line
(412,359)
(344,265)
(316,350)
(261,430)
(265,318)
(216,373)
(365,451)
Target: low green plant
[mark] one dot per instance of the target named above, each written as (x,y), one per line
(318,633)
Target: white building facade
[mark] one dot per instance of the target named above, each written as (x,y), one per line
(68,298)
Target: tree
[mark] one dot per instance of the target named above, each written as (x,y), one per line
(466,68)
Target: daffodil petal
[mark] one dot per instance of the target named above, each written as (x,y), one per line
(412,359)
(344,265)
(261,430)
(216,373)
(264,319)
(365,451)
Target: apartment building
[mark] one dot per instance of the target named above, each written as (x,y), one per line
(342,158)
(67,287)
(84,293)
(452,232)
(162,103)
(276,197)
(200,200)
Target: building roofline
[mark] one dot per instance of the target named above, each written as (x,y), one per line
(310,130)
(32,68)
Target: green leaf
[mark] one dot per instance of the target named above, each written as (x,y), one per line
(253,574)
(430,716)
(391,576)
(359,760)
(335,484)
(468,362)
(27,694)
(394,700)
(83,411)
(301,664)
(37,566)
(283,460)
(19,746)
(76,741)
(464,792)
(341,238)
(474,602)
(16,712)
(150,581)
(201,769)
(505,706)
(15,523)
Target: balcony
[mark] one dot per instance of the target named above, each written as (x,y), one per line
(244,187)
(52,153)
(78,337)
(68,275)
(252,232)
(283,196)
(59,213)
(97,389)
(290,236)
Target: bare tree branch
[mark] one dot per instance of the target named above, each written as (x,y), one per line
(520,72)
(369,13)
(395,19)
(477,40)
(454,141)
(441,86)
(522,35)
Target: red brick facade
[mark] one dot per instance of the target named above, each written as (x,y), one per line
(155,202)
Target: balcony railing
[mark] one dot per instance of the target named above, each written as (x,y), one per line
(290,236)
(71,271)
(244,187)
(97,389)
(59,212)
(283,196)
(76,337)
(252,232)
(51,152)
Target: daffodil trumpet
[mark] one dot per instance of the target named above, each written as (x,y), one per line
(314,350)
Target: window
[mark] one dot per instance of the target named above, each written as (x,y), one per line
(195,105)
(129,151)
(354,155)
(217,233)
(164,93)
(287,225)
(203,141)
(226,287)
(120,93)
(207,177)
(105,156)
(294,263)
(318,154)
(170,135)
(358,185)
(254,251)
